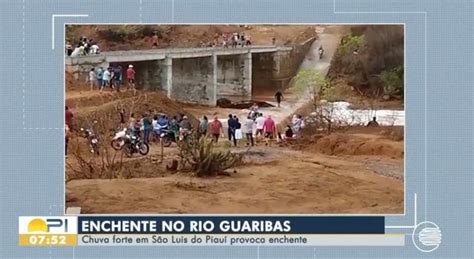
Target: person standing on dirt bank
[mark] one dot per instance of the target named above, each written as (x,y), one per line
(69,117)
(105,79)
(146,121)
(216,129)
(259,121)
(99,75)
(118,77)
(174,127)
(269,128)
(66,134)
(297,124)
(122,117)
(185,124)
(132,122)
(92,78)
(373,122)
(131,77)
(248,128)
(232,126)
(278,97)
(203,125)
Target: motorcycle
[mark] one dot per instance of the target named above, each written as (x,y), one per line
(134,144)
(92,139)
(167,137)
(118,141)
(163,134)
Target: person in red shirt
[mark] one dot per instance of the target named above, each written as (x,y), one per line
(269,128)
(215,129)
(69,116)
(131,77)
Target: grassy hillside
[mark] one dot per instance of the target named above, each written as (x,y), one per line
(371,59)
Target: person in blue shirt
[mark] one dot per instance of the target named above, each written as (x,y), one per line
(118,77)
(99,72)
(146,128)
(232,126)
(163,122)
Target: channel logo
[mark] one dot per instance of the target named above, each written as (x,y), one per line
(40,225)
(48,225)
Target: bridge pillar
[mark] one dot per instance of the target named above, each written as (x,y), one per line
(213,99)
(246,74)
(167,75)
(194,80)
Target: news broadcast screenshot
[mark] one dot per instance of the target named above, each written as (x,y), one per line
(236,129)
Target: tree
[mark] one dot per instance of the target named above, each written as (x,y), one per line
(309,82)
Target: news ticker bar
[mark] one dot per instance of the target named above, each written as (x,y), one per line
(211,240)
(204,230)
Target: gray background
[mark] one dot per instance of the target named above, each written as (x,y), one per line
(439,141)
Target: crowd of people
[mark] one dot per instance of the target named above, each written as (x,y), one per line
(256,128)
(111,77)
(225,40)
(82,48)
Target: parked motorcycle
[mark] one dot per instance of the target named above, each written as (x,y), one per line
(167,137)
(118,141)
(134,144)
(92,139)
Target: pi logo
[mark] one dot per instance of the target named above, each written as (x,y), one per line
(45,226)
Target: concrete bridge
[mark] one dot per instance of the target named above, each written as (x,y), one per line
(202,75)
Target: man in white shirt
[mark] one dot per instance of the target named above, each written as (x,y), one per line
(105,79)
(92,78)
(76,52)
(260,120)
(248,128)
(94,49)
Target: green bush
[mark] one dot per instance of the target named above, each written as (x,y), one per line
(351,43)
(392,79)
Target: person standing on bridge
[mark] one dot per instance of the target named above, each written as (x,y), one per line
(278,97)
(248,41)
(154,40)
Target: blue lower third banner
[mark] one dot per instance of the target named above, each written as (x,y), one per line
(205,231)
(232,224)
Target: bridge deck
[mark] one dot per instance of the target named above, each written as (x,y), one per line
(158,54)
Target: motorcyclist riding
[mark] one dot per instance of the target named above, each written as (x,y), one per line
(321,51)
